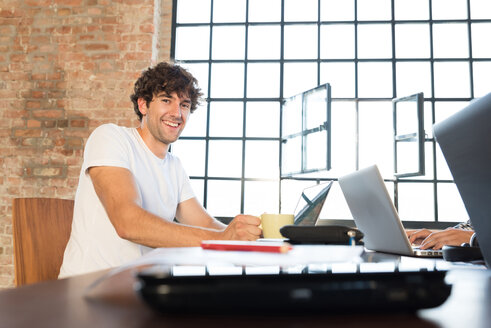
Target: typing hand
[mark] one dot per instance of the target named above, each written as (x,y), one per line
(416,237)
(449,236)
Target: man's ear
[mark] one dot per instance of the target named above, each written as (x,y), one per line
(142,106)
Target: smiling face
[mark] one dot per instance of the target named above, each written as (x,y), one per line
(164,118)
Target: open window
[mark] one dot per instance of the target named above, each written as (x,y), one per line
(409,136)
(306,132)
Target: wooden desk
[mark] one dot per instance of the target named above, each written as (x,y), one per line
(61,304)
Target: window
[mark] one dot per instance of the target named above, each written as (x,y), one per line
(250,55)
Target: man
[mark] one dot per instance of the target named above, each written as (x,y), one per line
(455,236)
(131,189)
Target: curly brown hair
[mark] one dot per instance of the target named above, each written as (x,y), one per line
(169,78)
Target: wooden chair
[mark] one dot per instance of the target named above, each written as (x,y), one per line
(41,229)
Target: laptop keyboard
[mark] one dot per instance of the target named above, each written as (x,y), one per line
(428,252)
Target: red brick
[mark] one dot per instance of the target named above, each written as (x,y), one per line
(38,94)
(64,12)
(47,113)
(33,124)
(27,133)
(18,57)
(95,46)
(47,171)
(69,2)
(31,104)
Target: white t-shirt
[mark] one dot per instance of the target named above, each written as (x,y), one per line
(162,185)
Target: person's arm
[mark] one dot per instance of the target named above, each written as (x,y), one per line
(242,227)
(191,212)
(121,202)
(437,239)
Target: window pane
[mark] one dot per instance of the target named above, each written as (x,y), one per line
(445,109)
(305,10)
(374,10)
(192,155)
(375,136)
(192,42)
(428,117)
(429,170)
(299,77)
(292,156)
(412,40)
(407,157)
(375,79)
(300,42)
(225,158)
(263,80)
(482,78)
(223,198)
(193,11)
(262,158)
(292,116)
(449,9)
(316,151)
(198,188)
(264,10)
(450,204)
(196,125)
(416,201)
(315,108)
(341,76)
(413,77)
(450,41)
(264,42)
(335,10)
(374,41)
(226,11)
(343,146)
(481,46)
(229,112)
(200,72)
(228,42)
(337,41)
(263,119)
(227,80)
(261,197)
(411,10)
(480,9)
(452,80)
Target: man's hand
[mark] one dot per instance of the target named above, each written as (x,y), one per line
(416,237)
(437,239)
(243,227)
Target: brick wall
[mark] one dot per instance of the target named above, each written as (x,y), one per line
(66,66)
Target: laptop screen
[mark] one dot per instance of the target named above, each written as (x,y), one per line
(466,144)
(310,204)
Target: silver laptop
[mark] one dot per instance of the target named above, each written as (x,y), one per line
(375,214)
(465,140)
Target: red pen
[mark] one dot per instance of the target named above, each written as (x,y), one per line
(252,246)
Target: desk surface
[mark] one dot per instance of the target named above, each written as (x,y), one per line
(62,304)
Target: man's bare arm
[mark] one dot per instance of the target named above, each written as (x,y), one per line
(133,223)
(191,212)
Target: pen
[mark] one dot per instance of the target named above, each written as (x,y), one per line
(233,245)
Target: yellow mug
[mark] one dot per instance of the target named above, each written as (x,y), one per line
(272,223)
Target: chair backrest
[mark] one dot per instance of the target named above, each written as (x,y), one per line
(41,229)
